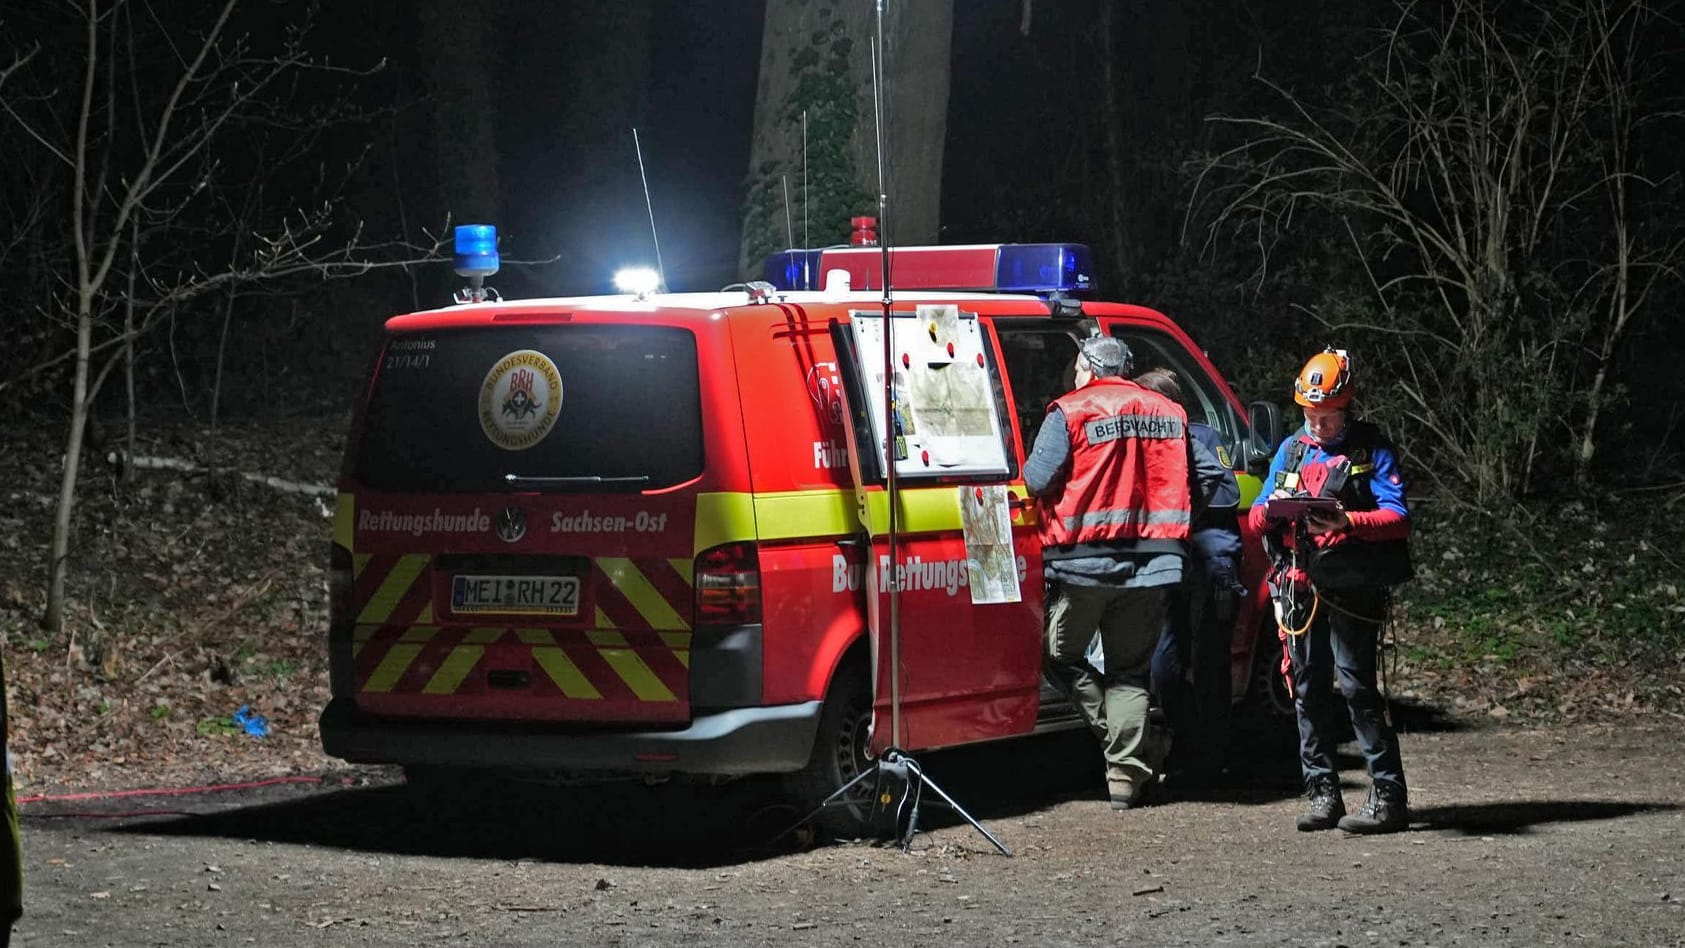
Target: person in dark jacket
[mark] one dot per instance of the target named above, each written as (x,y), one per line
(1191,667)
(1111,471)
(1334,569)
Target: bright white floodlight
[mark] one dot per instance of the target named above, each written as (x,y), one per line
(638,281)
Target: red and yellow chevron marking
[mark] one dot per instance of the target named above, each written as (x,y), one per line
(625,658)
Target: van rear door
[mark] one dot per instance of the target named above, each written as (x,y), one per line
(522,527)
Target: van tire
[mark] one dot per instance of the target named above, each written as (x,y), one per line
(839,755)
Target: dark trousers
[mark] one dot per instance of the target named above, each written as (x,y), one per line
(1341,647)
(1190,675)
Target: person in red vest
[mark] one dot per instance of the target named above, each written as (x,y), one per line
(1114,476)
(1334,567)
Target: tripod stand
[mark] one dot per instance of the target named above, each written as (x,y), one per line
(900,781)
(895,801)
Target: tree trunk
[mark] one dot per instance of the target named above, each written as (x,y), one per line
(129,346)
(1111,124)
(59,565)
(464,139)
(919,37)
(816,62)
(221,353)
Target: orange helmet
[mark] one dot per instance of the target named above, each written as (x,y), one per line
(1325,381)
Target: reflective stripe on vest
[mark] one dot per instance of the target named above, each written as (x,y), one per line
(1128,477)
(1099,518)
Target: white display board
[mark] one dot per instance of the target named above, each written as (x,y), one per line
(946,415)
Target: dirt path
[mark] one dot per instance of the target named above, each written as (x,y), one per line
(1523,837)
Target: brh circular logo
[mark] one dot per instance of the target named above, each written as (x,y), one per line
(520,399)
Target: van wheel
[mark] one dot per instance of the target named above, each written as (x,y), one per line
(839,755)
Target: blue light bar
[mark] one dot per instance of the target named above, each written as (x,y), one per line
(793,269)
(1044,268)
(476,250)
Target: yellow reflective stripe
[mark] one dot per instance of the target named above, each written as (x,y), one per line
(418,633)
(392,667)
(923,510)
(791,515)
(722,518)
(1250,487)
(482,636)
(636,674)
(635,586)
(453,670)
(564,673)
(535,637)
(606,637)
(807,513)
(603,620)
(344,518)
(393,588)
(686,567)
(679,642)
(360,636)
(360,562)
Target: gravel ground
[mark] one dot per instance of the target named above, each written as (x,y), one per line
(1520,837)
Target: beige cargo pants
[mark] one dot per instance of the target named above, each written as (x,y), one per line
(1114,704)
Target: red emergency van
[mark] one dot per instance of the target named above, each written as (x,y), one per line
(625,534)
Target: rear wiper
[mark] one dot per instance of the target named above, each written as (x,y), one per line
(584,480)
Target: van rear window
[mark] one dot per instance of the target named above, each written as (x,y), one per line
(566,408)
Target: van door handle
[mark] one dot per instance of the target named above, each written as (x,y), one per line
(1019,503)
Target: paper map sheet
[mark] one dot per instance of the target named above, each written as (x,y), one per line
(989,557)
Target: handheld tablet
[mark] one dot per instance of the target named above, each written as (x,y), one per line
(1292,508)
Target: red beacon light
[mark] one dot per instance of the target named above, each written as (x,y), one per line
(863,231)
(1039,269)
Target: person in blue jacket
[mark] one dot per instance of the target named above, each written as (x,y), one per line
(1334,568)
(1190,667)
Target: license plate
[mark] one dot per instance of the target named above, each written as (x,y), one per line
(526,595)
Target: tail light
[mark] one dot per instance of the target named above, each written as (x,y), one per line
(339,585)
(728,585)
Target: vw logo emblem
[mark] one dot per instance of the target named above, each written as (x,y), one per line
(511,524)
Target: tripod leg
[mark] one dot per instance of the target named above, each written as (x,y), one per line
(835,794)
(914,792)
(961,811)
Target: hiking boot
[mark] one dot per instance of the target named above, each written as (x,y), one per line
(1383,812)
(1327,809)
(1126,793)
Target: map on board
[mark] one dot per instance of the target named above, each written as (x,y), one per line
(944,412)
(990,561)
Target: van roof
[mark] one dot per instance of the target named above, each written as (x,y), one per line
(678,308)
(725,299)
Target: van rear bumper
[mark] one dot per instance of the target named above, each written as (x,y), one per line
(741,741)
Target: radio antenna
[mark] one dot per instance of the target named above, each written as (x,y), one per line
(806,241)
(894,768)
(890,409)
(789,229)
(654,237)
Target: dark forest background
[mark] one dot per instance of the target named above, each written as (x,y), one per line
(208,208)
